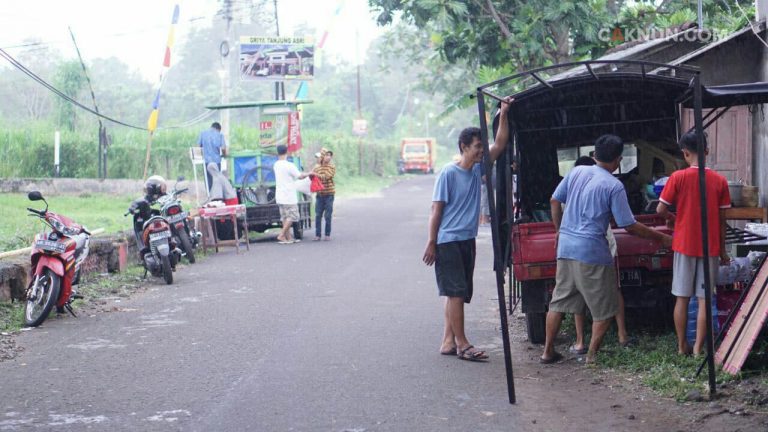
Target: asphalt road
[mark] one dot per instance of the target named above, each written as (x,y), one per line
(315,336)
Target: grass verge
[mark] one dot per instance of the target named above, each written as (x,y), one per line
(92,210)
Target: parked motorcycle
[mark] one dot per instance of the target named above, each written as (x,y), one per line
(170,208)
(57,257)
(154,239)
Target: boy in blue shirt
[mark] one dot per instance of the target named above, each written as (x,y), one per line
(453,228)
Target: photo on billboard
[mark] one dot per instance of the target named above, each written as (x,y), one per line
(276,58)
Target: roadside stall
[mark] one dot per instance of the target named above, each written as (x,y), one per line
(558,112)
(249,168)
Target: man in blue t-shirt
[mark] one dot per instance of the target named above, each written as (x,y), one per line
(214,146)
(453,228)
(586,277)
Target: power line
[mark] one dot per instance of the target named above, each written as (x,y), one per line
(59,93)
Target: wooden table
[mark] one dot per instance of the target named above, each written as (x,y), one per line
(232,212)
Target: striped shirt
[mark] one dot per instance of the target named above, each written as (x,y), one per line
(326,173)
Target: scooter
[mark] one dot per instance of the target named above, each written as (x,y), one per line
(170,208)
(154,239)
(57,257)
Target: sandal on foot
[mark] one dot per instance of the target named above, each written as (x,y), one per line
(472,354)
(577,351)
(556,357)
(629,343)
(316,239)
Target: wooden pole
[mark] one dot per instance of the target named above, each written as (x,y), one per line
(146,161)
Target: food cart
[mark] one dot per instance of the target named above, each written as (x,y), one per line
(250,170)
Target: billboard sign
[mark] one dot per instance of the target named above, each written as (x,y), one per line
(276,58)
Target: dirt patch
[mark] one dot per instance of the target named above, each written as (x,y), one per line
(602,398)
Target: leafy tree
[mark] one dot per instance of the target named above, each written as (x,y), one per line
(69,79)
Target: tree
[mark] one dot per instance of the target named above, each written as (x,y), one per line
(69,79)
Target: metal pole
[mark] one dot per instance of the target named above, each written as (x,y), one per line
(701,15)
(701,149)
(498,266)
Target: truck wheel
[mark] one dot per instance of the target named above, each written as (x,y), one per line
(298,230)
(537,325)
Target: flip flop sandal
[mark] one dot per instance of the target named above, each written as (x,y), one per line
(556,357)
(572,349)
(471,354)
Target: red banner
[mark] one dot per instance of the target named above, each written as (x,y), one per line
(294,132)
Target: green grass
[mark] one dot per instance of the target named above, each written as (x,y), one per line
(655,362)
(94,211)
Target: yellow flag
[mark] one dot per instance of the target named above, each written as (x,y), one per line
(152,122)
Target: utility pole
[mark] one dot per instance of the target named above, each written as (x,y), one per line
(279,85)
(359,104)
(225,70)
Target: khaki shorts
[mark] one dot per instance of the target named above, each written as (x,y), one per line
(579,286)
(289,211)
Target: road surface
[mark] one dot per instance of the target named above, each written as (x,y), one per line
(315,336)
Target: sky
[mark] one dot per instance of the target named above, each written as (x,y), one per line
(136,31)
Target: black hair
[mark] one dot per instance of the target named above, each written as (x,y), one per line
(467,136)
(690,141)
(216,126)
(282,149)
(608,148)
(585,161)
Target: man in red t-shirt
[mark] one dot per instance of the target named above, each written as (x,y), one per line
(682,191)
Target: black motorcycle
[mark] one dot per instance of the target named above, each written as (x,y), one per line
(170,208)
(154,240)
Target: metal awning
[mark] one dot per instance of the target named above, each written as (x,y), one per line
(257,104)
(735,94)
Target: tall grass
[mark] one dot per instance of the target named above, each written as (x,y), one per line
(28,152)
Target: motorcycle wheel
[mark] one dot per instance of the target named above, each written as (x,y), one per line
(186,246)
(167,270)
(38,308)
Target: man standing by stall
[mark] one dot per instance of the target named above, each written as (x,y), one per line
(287,201)
(586,277)
(325,170)
(453,228)
(214,147)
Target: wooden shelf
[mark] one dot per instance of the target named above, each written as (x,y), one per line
(747,213)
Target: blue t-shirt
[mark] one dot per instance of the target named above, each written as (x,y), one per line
(211,141)
(459,189)
(591,195)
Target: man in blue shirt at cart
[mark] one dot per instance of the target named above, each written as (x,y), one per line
(214,147)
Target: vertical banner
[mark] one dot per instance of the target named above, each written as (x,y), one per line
(273,127)
(294,132)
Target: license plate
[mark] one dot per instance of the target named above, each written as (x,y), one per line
(51,246)
(630,278)
(177,217)
(159,235)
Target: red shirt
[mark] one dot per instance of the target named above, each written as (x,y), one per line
(682,190)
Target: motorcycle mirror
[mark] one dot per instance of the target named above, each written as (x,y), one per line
(35,196)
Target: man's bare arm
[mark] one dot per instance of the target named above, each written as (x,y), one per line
(557,213)
(642,231)
(502,132)
(436,215)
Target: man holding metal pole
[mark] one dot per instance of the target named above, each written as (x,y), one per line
(452,232)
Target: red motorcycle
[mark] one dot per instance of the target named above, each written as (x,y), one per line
(56,260)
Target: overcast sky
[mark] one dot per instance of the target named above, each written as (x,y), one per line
(136,31)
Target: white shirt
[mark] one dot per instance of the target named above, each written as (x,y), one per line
(286,174)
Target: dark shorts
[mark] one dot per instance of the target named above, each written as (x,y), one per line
(454,268)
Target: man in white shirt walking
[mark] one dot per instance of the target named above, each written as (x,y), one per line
(286,175)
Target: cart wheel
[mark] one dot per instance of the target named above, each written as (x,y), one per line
(255,189)
(298,230)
